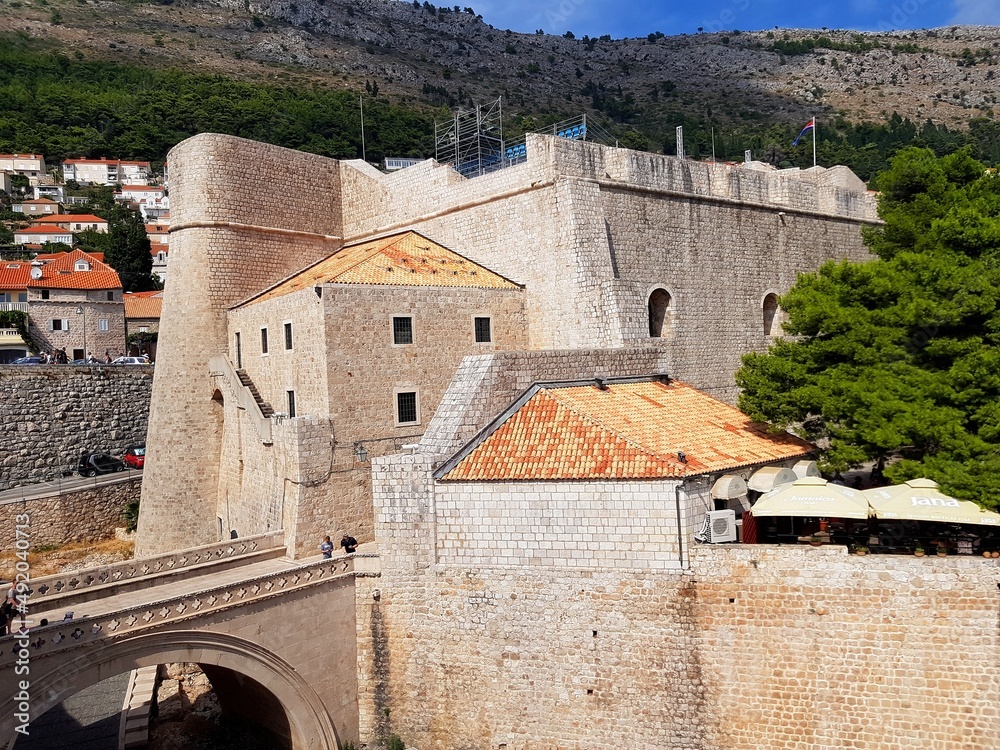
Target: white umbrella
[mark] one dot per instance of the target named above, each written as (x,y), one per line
(813,497)
(921,500)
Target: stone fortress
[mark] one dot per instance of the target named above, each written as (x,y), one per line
(317,375)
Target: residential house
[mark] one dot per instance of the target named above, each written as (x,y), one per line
(75,303)
(105,171)
(142,321)
(31,166)
(14,277)
(152,201)
(42,235)
(37,207)
(158,234)
(52,192)
(74,222)
(5,183)
(160,253)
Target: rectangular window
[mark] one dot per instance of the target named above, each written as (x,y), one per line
(406,407)
(4,297)
(402,330)
(263,341)
(58,324)
(145,329)
(103,325)
(111,296)
(45,294)
(291,403)
(239,351)
(483,333)
(22,296)
(288,337)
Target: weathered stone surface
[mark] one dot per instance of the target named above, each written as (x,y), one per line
(52,413)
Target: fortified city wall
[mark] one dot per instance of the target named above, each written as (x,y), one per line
(754,646)
(52,413)
(590,232)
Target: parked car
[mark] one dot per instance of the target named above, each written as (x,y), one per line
(135,456)
(92,464)
(131,361)
(32,360)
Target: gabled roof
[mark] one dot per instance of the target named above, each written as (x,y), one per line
(70,219)
(39,201)
(622,429)
(14,274)
(59,273)
(404,259)
(42,229)
(143,304)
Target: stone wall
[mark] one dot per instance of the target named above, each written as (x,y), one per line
(79,515)
(52,413)
(754,646)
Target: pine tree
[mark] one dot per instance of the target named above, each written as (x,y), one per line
(128,250)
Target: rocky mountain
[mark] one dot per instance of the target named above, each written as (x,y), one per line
(416,52)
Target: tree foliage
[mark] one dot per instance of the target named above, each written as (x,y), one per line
(897,360)
(127,250)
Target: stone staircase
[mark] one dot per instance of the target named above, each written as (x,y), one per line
(265,408)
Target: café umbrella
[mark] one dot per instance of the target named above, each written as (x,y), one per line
(812,497)
(921,500)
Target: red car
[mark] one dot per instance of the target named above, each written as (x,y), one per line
(134,456)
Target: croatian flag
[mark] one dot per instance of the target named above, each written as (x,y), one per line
(809,126)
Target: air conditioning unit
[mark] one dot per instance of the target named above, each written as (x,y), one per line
(720,526)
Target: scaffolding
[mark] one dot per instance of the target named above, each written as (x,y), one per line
(472,141)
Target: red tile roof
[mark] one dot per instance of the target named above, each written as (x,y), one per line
(14,274)
(39,201)
(628,430)
(404,259)
(143,305)
(58,273)
(146,188)
(70,219)
(42,229)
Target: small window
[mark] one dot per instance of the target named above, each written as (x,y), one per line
(103,325)
(406,407)
(771,315)
(291,403)
(263,341)
(22,296)
(483,333)
(288,337)
(111,296)
(81,265)
(45,294)
(143,329)
(402,330)
(59,324)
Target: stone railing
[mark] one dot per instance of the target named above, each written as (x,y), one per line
(63,635)
(220,367)
(128,569)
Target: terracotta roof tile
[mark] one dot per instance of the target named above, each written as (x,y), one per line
(69,219)
(143,305)
(14,274)
(633,430)
(58,273)
(42,229)
(405,259)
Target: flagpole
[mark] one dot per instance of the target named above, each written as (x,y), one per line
(814,140)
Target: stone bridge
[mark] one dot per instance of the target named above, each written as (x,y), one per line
(275,636)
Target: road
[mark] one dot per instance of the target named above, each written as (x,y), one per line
(66,484)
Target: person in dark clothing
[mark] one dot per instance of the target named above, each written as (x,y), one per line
(349,543)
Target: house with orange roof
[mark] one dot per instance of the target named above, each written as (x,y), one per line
(14,275)
(73,222)
(42,235)
(608,472)
(142,321)
(75,303)
(360,345)
(37,207)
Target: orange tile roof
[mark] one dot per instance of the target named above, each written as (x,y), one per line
(69,218)
(157,228)
(58,273)
(629,430)
(405,259)
(42,230)
(39,201)
(143,305)
(143,188)
(14,274)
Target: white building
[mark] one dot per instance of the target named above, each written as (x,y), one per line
(105,171)
(31,166)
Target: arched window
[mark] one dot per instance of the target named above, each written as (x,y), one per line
(771,327)
(659,313)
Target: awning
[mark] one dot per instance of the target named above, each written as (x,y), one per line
(766,479)
(729,487)
(806,469)
(921,500)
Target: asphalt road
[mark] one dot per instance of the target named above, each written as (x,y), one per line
(66,484)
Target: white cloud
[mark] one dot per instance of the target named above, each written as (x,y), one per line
(977,12)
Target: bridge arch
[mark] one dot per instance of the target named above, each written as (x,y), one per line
(309,724)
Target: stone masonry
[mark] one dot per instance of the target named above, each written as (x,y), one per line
(52,413)
(590,232)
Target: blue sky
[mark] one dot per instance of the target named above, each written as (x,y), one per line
(629,19)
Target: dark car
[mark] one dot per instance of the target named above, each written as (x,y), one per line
(33,360)
(135,456)
(92,464)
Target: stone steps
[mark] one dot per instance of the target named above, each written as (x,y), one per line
(265,408)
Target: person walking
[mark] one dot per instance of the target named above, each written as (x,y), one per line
(349,543)
(326,548)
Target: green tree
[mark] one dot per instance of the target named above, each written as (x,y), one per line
(897,360)
(128,250)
